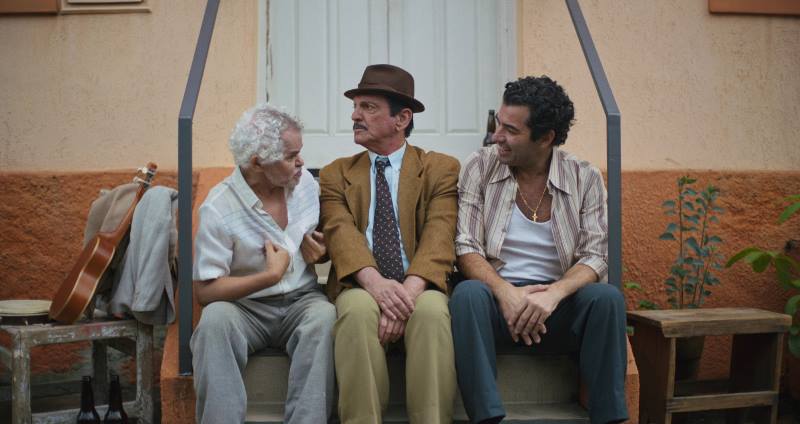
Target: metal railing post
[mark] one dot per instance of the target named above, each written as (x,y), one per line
(185,119)
(613,143)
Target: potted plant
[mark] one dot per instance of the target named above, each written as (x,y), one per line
(787,271)
(691,274)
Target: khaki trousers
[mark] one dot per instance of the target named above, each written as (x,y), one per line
(361,360)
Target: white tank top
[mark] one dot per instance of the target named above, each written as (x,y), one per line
(529,251)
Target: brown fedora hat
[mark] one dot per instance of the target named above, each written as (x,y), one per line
(388,80)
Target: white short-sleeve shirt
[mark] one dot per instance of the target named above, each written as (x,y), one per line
(234,226)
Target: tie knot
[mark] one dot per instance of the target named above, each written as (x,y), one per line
(381,164)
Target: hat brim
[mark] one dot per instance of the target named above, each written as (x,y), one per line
(415,105)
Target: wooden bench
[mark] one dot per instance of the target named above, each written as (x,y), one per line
(755,361)
(127,336)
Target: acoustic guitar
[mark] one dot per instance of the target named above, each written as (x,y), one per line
(77,289)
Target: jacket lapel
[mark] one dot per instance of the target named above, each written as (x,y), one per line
(408,194)
(357,191)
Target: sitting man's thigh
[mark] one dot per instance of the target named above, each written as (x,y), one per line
(431,305)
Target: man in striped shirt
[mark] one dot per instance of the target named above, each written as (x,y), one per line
(532,241)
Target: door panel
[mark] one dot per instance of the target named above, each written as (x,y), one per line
(318,49)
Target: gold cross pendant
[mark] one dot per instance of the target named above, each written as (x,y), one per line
(535,217)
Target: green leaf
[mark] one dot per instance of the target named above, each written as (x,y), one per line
(690,192)
(692,243)
(694,219)
(717,209)
(668,204)
(794,345)
(795,283)
(741,254)
(666,236)
(672,227)
(784,267)
(688,206)
(791,305)
(762,262)
(792,198)
(788,212)
(630,285)
(646,304)
(713,239)
(714,220)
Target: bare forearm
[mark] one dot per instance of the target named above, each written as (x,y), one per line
(234,288)
(476,267)
(576,277)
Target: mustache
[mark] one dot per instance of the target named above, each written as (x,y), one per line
(359,127)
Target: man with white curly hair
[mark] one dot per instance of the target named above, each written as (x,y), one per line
(254,253)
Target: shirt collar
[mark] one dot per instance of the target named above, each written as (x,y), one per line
(243,190)
(554,176)
(395,158)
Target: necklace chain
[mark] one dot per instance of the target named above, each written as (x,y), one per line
(535,211)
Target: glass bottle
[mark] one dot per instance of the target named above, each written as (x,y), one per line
(87,413)
(115,414)
(490,127)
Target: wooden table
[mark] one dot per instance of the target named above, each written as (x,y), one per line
(128,336)
(755,361)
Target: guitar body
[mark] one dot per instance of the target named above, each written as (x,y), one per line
(78,288)
(72,299)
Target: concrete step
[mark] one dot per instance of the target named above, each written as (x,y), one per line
(518,413)
(535,388)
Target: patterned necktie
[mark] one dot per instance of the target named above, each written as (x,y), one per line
(385,237)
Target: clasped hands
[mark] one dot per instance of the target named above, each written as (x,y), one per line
(525,310)
(396,303)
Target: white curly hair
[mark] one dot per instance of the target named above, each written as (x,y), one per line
(258,133)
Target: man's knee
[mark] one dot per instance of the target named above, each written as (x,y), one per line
(604,296)
(469,292)
(356,307)
(217,320)
(320,317)
(217,324)
(431,307)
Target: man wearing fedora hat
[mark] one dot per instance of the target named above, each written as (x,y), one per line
(389,217)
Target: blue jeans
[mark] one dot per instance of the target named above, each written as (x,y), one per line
(591,322)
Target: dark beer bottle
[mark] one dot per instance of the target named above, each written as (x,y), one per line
(490,127)
(115,413)
(87,414)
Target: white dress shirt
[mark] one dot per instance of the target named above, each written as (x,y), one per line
(234,226)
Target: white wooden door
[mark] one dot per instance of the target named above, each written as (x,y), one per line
(460,53)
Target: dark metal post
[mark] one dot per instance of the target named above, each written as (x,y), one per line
(185,187)
(613,142)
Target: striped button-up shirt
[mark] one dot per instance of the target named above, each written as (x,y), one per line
(487,191)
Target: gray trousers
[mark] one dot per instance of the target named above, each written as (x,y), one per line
(300,322)
(591,322)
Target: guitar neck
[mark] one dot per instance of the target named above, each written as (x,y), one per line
(118,234)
